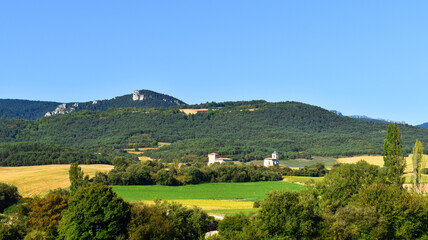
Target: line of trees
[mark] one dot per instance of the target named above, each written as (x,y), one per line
(155,172)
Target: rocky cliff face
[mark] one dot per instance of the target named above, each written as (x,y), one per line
(62,109)
(137,96)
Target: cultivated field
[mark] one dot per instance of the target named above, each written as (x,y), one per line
(377,160)
(38,180)
(141,151)
(193,111)
(302,180)
(215,198)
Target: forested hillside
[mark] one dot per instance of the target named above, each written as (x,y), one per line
(26,109)
(425,125)
(28,154)
(241,130)
(31,110)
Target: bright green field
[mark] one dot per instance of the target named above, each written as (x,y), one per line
(251,191)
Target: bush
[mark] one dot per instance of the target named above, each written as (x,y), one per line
(149,222)
(8,196)
(406,213)
(94,212)
(355,222)
(231,227)
(346,180)
(289,215)
(8,232)
(45,213)
(188,223)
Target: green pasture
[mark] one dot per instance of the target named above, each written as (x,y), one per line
(250,191)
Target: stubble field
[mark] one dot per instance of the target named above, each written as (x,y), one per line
(38,180)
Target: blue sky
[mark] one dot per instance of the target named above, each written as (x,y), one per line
(358,57)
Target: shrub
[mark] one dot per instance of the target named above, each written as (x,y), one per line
(8,196)
(94,212)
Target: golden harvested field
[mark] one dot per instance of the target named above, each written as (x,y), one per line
(161,144)
(38,180)
(193,111)
(141,151)
(376,160)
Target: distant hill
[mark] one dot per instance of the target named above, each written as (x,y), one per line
(240,130)
(26,109)
(367,119)
(424,125)
(30,110)
(140,99)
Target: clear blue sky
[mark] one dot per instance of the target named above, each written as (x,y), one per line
(358,57)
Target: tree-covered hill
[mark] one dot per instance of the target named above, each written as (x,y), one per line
(424,125)
(31,110)
(241,130)
(26,109)
(146,99)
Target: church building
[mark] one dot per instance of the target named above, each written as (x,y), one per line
(274,161)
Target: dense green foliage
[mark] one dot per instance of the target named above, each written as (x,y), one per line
(316,170)
(374,210)
(418,166)
(25,109)
(289,215)
(155,172)
(168,220)
(406,214)
(34,153)
(243,131)
(77,180)
(343,182)
(355,222)
(94,212)
(394,160)
(8,196)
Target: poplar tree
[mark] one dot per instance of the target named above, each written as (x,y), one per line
(418,166)
(393,155)
(77,180)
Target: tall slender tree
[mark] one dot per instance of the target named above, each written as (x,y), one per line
(75,174)
(393,155)
(418,166)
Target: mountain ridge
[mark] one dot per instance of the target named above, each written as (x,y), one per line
(33,109)
(368,119)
